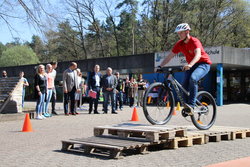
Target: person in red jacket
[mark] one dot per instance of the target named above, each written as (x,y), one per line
(198,62)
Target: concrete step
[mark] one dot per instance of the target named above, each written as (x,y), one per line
(3,96)
(8,84)
(4,92)
(9,79)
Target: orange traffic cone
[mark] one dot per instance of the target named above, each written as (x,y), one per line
(174,113)
(27,124)
(135,115)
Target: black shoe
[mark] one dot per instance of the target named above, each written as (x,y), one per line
(105,112)
(53,112)
(189,109)
(96,113)
(114,113)
(90,112)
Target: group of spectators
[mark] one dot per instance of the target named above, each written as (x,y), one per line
(116,91)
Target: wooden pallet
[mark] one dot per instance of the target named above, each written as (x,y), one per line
(218,133)
(236,132)
(108,146)
(140,138)
(151,133)
(186,141)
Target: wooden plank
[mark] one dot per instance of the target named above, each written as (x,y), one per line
(152,133)
(96,145)
(114,141)
(150,128)
(113,152)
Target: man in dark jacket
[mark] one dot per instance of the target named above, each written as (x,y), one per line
(94,84)
(109,83)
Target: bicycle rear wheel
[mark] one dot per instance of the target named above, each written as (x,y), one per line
(204,111)
(158,104)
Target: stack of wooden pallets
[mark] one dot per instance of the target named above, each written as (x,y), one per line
(115,140)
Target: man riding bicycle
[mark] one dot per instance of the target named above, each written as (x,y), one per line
(198,62)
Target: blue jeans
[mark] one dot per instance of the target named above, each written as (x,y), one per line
(49,95)
(106,95)
(40,105)
(191,79)
(23,95)
(119,97)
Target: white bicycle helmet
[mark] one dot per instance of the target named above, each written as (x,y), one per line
(182,27)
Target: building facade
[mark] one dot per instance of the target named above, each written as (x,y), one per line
(228,79)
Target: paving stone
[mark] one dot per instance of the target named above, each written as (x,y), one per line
(42,147)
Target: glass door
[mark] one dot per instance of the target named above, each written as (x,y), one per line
(235,87)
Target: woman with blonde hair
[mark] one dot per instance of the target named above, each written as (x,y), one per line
(40,91)
(50,87)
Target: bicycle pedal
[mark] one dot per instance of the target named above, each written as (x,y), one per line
(188,109)
(186,112)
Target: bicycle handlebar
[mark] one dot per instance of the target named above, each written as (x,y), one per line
(170,69)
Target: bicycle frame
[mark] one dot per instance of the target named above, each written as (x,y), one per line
(178,88)
(170,80)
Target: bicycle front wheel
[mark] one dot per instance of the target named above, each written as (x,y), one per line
(204,111)
(158,104)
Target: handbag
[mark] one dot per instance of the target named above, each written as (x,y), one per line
(92,94)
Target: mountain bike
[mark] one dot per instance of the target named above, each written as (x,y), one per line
(159,102)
